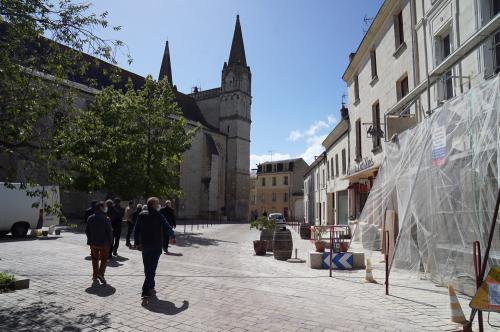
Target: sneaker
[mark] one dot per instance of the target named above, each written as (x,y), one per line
(101,279)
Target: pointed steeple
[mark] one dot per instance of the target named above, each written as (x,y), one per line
(166,69)
(237,55)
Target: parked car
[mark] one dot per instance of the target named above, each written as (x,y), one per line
(278,218)
(18,212)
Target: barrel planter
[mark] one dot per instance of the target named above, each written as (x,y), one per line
(267,235)
(305,231)
(260,247)
(282,244)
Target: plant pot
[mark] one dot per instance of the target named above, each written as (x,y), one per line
(344,246)
(320,246)
(305,231)
(260,247)
(20,284)
(267,235)
(45,233)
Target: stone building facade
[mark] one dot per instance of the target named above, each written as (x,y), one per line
(215,171)
(278,187)
(415,55)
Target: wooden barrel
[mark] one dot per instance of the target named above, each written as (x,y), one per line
(282,244)
(305,231)
(267,235)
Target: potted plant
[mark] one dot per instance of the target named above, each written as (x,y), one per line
(319,233)
(9,282)
(266,227)
(344,245)
(260,247)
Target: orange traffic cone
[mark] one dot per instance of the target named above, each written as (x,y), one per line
(369,275)
(457,315)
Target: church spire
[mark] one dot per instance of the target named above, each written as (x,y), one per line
(166,69)
(237,55)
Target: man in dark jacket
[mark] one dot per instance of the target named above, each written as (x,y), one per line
(99,237)
(116,223)
(149,231)
(90,211)
(169,214)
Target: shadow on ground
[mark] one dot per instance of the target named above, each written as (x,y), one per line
(154,304)
(198,241)
(47,316)
(101,290)
(10,238)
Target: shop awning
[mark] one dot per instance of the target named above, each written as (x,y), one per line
(364,174)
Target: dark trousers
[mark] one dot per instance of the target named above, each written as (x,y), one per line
(129,232)
(166,239)
(116,240)
(150,257)
(99,259)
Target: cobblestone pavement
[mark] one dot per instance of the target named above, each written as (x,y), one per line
(211,282)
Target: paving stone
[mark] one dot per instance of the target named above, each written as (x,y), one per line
(213,283)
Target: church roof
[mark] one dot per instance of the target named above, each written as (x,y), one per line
(237,54)
(166,68)
(212,147)
(190,109)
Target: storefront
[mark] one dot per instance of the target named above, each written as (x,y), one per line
(361,179)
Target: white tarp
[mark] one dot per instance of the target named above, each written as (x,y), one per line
(441,178)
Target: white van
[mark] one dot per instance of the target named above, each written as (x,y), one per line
(18,214)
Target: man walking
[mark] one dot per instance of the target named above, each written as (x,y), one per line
(99,237)
(149,231)
(90,211)
(129,219)
(116,223)
(169,214)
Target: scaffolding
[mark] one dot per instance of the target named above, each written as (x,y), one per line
(436,190)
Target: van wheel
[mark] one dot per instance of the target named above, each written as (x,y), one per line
(19,230)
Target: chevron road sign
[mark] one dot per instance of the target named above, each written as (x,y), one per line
(340,261)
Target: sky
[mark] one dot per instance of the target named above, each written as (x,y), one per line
(297,51)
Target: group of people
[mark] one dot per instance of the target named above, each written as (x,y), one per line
(152,228)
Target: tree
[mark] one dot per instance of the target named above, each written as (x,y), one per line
(32,73)
(128,143)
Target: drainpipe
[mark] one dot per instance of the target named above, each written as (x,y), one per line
(457,33)
(426,60)
(414,42)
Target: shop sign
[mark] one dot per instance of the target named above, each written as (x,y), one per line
(362,165)
(439,150)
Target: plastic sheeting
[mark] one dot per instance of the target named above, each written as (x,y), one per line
(441,180)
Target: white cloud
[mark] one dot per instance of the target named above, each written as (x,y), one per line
(313,129)
(295,135)
(313,136)
(314,149)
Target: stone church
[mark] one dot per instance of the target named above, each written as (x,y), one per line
(214,174)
